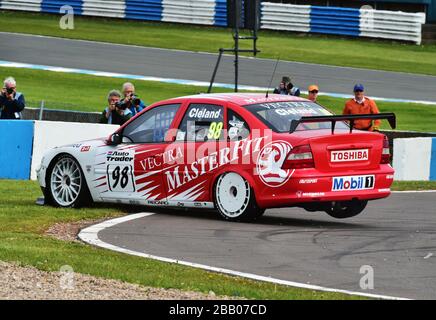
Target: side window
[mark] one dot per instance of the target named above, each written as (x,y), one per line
(237,126)
(151,126)
(202,122)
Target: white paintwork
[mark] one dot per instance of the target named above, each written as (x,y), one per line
(411,159)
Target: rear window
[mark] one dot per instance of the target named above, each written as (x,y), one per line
(278,115)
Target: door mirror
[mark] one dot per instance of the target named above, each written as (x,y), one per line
(115,139)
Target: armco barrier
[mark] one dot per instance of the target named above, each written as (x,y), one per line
(24,142)
(383,24)
(343,21)
(415,159)
(16,139)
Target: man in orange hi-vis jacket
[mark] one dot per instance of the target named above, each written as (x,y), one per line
(362,105)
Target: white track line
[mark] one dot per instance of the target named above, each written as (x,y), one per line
(90,235)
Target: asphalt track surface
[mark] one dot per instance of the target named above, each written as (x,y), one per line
(199,66)
(395,236)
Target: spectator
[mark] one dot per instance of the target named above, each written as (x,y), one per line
(313,92)
(362,105)
(11,101)
(131,100)
(115,112)
(283,87)
(292,90)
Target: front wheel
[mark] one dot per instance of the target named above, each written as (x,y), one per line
(66,185)
(346,209)
(234,198)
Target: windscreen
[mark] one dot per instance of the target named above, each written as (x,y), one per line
(278,115)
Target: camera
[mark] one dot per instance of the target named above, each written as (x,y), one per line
(120,105)
(10,90)
(136,101)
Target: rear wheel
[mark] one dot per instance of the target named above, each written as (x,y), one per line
(234,198)
(66,184)
(346,209)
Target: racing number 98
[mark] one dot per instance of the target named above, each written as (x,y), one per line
(215,130)
(120,176)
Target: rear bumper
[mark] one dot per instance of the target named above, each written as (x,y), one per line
(312,186)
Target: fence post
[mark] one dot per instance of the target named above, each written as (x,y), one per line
(41,110)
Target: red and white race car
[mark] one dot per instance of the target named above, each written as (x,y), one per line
(238,153)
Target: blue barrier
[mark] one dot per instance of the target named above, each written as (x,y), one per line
(144,10)
(331,20)
(54,6)
(221,13)
(16,141)
(275,16)
(433,160)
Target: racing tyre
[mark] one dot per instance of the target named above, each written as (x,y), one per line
(234,198)
(346,209)
(66,185)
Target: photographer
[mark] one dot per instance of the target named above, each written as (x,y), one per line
(283,86)
(116,112)
(131,100)
(11,101)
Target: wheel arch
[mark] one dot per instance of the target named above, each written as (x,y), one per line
(52,163)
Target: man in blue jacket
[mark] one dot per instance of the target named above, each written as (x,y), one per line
(131,100)
(11,101)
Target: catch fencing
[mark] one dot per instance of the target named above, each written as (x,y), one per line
(363,22)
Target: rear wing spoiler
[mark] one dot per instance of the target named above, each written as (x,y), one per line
(335,118)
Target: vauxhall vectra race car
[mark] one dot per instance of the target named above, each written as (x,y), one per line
(237,153)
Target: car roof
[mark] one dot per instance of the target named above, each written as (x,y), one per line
(242,99)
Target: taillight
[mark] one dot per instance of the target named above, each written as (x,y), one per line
(300,157)
(386,153)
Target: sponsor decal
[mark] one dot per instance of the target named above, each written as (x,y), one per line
(349,155)
(384,190)
(308,181)
(313,194)
(168,157)
(76,145)
(119,156)
(270,161)
(390,176)
(353,183)
(157,202)
(180,204)
(183,174)
(198,204)
(203,113)
(85,148)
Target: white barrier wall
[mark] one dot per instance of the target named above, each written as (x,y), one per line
(49,134)
(412,159)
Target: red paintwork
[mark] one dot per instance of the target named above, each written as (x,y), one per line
(302,186)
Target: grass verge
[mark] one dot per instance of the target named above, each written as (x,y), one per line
(331,50)
(22,224)
(414,185)
(88,93)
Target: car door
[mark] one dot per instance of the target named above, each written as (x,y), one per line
(131,172)
(199,138)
